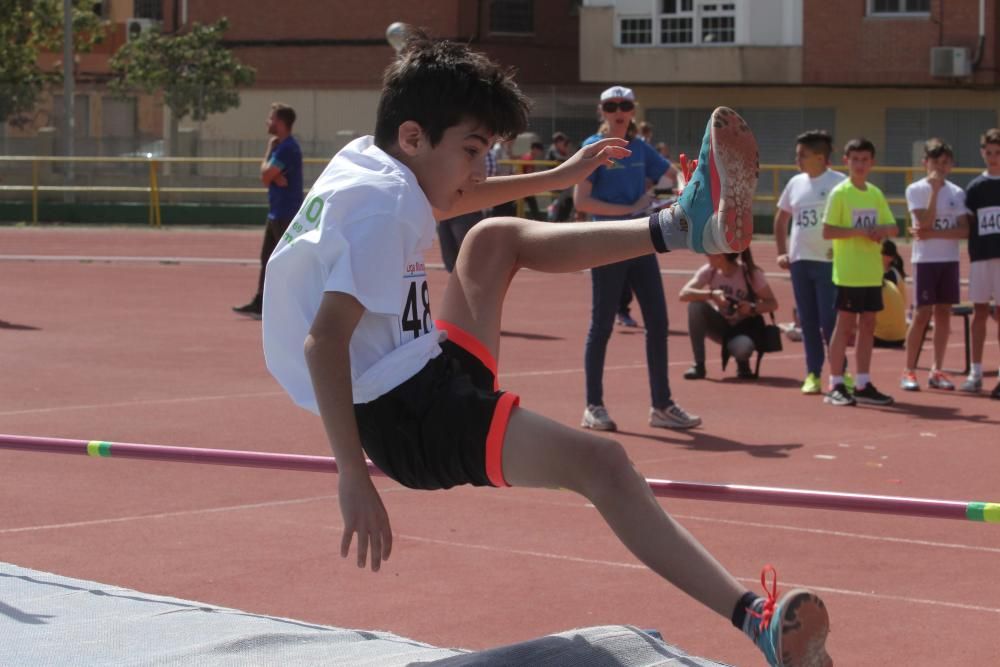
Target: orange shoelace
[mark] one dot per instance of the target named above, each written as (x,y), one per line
(772,597)
(687,168)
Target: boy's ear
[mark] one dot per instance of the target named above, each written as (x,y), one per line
(410,137)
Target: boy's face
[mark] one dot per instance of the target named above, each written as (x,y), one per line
(941,165)
(274,124)
(991,157)
(809,161)
(446,171)
(859,163)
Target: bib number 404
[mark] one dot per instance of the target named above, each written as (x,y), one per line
(417,311)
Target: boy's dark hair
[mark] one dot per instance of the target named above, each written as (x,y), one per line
(559,136)
(537,144)
(818,141)
(991,136)
(284,113)
(935,148)
(439,84)
(860,144)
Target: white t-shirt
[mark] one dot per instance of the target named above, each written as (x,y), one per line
(362,230)
(805,199)
(950,207)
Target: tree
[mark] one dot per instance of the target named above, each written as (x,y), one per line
(197,75)
(28,29)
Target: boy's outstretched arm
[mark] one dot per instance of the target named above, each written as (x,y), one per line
(500,189)
(327,352)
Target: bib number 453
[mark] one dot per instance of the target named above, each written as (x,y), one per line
(417,312)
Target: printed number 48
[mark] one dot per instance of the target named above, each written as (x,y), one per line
(413,320)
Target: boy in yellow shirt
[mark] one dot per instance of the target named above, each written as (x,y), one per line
(857,218)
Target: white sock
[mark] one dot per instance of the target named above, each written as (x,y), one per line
(977,371)
(673,228)
(835,380)
(862,381)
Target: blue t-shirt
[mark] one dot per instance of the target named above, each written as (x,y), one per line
(625,182)
(284,202)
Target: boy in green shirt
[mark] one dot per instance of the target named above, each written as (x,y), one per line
(857,219)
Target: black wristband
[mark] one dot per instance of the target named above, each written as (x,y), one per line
(656,234)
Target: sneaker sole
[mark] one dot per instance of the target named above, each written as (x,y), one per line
(811,391)
(839,404)
(872,401)
(677,426)
(909,387)
(734,166)
(949,387)
(599,427)
(805,624)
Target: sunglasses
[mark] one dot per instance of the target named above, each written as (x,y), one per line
(611,106)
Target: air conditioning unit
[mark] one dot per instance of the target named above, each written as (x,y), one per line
(950,62)
(134,28)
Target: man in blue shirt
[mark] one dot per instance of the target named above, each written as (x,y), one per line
(281,172)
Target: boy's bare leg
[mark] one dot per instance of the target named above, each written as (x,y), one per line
(864,342)
(838,345)
(495,249)
(541,453)
(980,316)
(942,330)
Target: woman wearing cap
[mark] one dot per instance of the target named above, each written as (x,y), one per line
(614,193)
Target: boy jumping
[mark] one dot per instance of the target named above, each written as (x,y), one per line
(857,219)
(348,330)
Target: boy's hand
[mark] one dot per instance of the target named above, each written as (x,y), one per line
(587,159)
(364,514)
(783,262)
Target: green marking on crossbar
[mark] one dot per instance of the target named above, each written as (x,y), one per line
(98,448)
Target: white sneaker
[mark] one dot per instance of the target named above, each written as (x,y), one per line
(596,417)
(672,417)
(972,385)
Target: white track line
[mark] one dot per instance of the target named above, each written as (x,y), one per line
(107,259)
(488,548)
(150,401)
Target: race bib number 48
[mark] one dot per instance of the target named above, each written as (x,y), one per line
(415,318)
(864,218)
(989,220)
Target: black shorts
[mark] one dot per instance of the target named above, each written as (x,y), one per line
(859,299)
(444,426)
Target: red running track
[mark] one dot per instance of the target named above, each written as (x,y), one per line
(149,352)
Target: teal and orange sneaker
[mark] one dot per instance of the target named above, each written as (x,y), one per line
(717,200)
(790,632)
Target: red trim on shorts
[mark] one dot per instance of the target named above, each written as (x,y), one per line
(495,437)
(471,344)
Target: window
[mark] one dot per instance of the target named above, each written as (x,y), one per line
(147,9)
(898,7)
(512,17)
(635,31)
(718,23)
(682,23)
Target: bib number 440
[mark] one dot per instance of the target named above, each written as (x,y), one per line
(417,311)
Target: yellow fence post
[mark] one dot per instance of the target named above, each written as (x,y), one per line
(775,182)
(34,192)
(154,196)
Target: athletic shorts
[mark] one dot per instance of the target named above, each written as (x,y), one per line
(859,299)
(936,282)
(984,280)
(444,426)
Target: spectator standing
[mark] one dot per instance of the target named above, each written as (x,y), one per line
(807,255)
(983,201)
(561,207)
(621,191)
(940,219)
(281,172)
(857,218)
(536,152)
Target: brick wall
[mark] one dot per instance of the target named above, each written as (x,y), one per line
(352,50)
(841,45)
